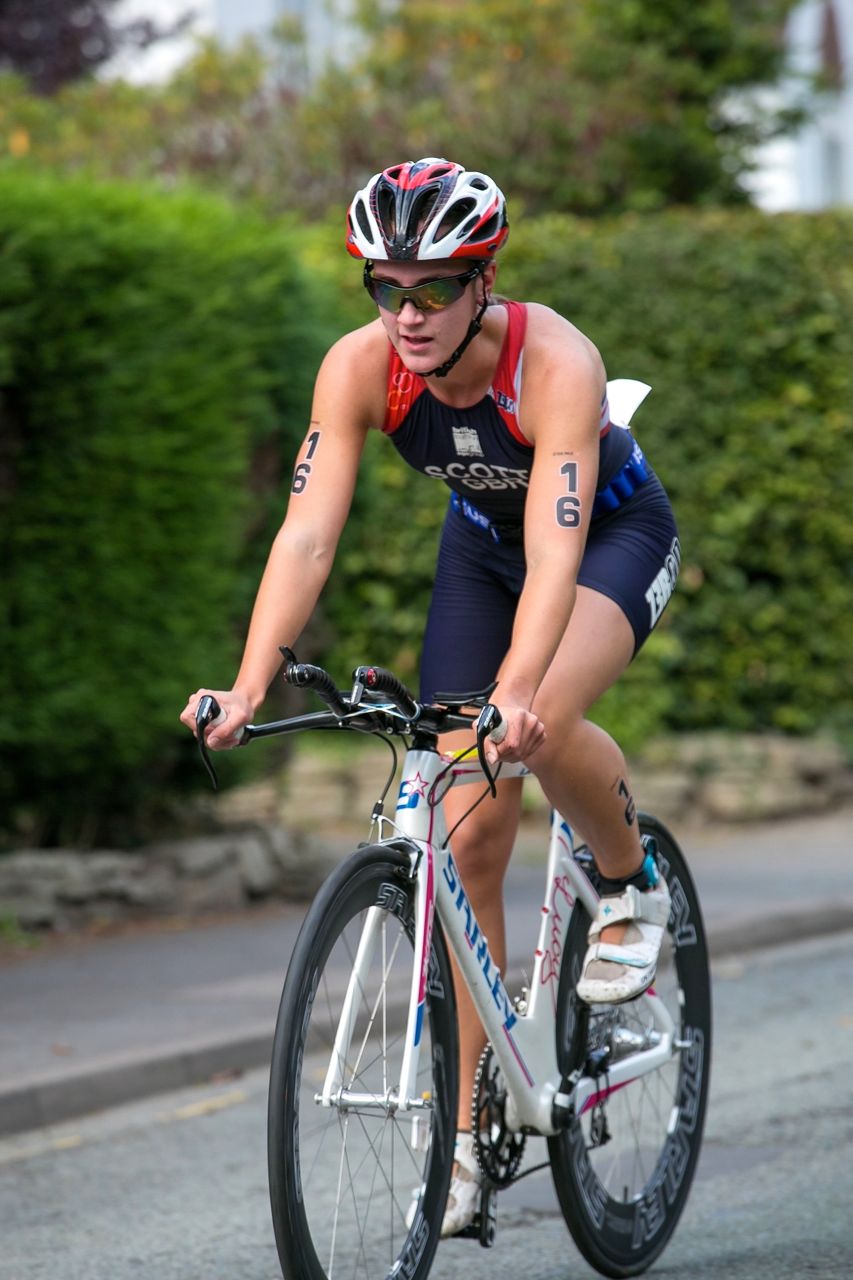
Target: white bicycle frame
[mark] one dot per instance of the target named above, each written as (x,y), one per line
(522,1034)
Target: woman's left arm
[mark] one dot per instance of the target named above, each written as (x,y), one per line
(564,381)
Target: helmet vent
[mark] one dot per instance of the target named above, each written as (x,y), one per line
(422,209)
(386,212)
(454,216)
(468,227)
(492,228)
(363,220)
(479,183)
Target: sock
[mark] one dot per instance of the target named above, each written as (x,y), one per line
(646,877)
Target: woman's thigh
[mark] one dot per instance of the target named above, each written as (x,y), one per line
(597,646)
(471,614)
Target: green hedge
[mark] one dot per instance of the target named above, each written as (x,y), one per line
(156,358)
(743,324)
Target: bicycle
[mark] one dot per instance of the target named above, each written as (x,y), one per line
(363,1077)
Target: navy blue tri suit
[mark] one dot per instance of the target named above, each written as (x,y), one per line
(632,551)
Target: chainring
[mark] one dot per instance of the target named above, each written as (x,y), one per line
(499,1150)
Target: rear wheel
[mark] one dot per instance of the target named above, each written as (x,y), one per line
(343,1176)
(623,1168)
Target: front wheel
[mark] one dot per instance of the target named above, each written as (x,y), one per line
(357,1186)
(624,1166)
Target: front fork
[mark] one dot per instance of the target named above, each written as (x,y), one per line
(397,1095)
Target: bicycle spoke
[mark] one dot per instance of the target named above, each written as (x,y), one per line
(336,1214)
(359,1218)
(381,997)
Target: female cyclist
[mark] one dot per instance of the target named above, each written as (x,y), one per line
(557,555)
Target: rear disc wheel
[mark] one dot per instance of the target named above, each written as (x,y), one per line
(623,1168)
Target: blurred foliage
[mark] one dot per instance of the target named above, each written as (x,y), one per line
(591,107)
(156,356)
(218,122)
(743,324)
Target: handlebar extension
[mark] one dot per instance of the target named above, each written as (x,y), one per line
(380,680)
(305,676)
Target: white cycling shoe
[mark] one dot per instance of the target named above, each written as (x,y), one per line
(615,972)
(463,1196)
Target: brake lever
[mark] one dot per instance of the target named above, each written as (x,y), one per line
(207,713)
(488,725)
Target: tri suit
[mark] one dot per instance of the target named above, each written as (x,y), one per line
(632,551)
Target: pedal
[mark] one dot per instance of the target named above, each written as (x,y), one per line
(483,1226)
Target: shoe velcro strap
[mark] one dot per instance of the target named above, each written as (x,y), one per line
(465,1156)
(614,954)
(651,907)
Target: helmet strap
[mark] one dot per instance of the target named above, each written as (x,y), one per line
(473,329)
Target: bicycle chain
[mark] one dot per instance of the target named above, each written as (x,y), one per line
(499,1151)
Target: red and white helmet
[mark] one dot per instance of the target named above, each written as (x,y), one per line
(427,209)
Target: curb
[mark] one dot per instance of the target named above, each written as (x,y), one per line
(112,1082)
(125,1078)
(755,933)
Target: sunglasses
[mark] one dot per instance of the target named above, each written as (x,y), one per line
(432,295)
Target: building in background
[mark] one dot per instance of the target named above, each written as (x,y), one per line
(813,169)
(320,29)
(324,24)
(162,59)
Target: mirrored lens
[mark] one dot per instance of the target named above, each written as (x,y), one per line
(432,295)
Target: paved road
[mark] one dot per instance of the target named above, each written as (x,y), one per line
(92,1022)
(175,1187)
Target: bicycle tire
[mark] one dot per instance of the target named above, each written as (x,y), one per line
(342,1179)
(622,1203)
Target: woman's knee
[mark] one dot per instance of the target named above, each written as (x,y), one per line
(564,730)
(483,842)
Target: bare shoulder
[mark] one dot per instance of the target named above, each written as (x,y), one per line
(351,380)
(554,345)
(563,379)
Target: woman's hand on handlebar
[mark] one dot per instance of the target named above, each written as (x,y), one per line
(524,734)
(224,733)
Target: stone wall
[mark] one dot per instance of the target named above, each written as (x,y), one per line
(66,889)
(271,840)
(715,777)
(692,778)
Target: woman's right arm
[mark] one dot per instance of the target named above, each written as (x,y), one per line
(348,397)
